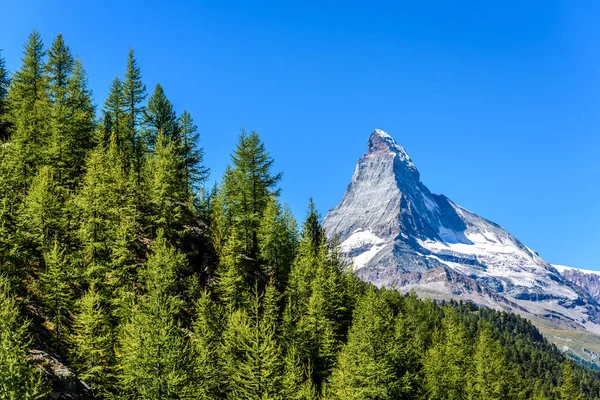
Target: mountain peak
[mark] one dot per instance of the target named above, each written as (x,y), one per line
(381,143)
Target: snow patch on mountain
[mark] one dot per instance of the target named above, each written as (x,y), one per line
(363,243)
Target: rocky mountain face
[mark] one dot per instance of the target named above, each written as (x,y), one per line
(399,234)
(588,281)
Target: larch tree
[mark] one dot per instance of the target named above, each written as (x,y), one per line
(134,93)
(208,380)
(195,172)
(93,340)
(28,106)
(253,363)
(160,117)
(446,365)
(4,83)
(42,214)
(152,352)
(248,185)
(115,120)
(365,369)
(19,378)
(55,288)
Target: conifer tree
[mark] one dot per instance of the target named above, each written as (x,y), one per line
(446,363)
(491,373)
(28,116)
(9,242)
(252,356)
(365,369)
(55,288)
(59,68)
(58,71)
(568,388)
(114,114)
(167,195)
(276,243)
(296,381)
(195,171)
(19,379)
(81,121)
(93,343)
(248,185)
(208,382)
(134,92)
(232,287)
(160,117)
(4,83)
(153,355)
(42,212)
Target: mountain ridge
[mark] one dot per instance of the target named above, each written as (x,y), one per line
(397,232)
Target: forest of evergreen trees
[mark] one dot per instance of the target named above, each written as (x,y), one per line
(117,259)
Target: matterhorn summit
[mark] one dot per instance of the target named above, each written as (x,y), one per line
(396,233)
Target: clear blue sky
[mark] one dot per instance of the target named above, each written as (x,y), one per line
(498,103)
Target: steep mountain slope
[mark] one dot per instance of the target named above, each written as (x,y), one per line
(399,234)
(589,281)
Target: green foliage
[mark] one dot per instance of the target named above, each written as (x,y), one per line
(42,216)
(253,362)
(568,388)
(4,83)
(152,353)
(160,118)
(93,342)
(195,172)
(208,380)
(167,194)
(491,377)
(446,364)
(114,113)
(55,287)
(248,185)
(19,379)
(155,287)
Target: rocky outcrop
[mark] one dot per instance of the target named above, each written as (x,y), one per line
(65,384)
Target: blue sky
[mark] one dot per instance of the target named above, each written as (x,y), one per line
(498,103)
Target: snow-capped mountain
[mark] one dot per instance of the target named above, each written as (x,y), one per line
(399,234)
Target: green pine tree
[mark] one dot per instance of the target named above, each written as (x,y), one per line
(134,93)
(491,377)
(55,288)
(19,379)
(208,382)
(296,380)
(153,354)
(446,363)
(253,364)
(28,116)
(195,172)
(167,194)
(4,83)
(160,117)
(248,186)
(232,287)
(365,369)
(568,388)
(93,343)
(115,119)
(277,243)
(42,216)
